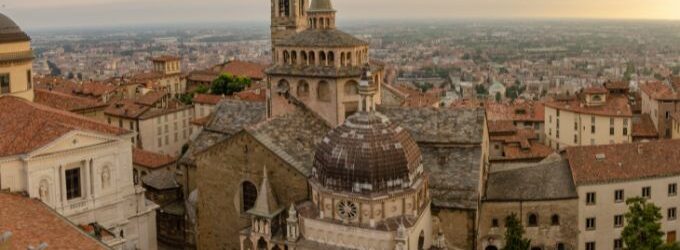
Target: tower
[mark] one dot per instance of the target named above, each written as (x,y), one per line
(265,217)
(16,60)
(288,17)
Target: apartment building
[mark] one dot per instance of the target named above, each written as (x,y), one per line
(162,124)
(606,175)
(593,117)
(660,100)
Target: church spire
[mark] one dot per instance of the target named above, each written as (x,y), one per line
(265,204)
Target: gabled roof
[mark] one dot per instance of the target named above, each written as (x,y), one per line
(208,99)
(251,70)
(31,223)
(430,125)
(27,126)
(151,160)
(532,182)
(160,180)
(65,102)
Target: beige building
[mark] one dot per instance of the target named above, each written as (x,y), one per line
(593,117)
(605,176)
(541,195)
(166,77)
(660,100)
(16,60)
(163,125)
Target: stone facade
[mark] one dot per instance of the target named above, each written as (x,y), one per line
(225,167)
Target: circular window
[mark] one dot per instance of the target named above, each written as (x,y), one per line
(347,209)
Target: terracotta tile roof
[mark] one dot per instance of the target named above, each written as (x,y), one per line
(202,76)
(615,105)
(151,160)
(644,127)
(241,68)
(70,87)
(522,144)
(414,98)
(28,126)
(165,58)
(201,121)
(595,90)
(151,98)
(32,223)
(617,85)
(208,99)
(659,91)
(624,162)
(466,104)
(126,108)
(519,110)
(257,94)
(63,101)
(501,127)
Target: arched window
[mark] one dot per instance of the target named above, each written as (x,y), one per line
(323,92)
(312,60)
(262,244)
(321,23)
(359,58)
(322,58)
(555,220)
(293,57)
(533,220)
(351,88)
(342,59)
(349,59)
(560,246)
(284,8)
(331,58)
(248,195)
(303,56)
(328,22)
(286,57)
(303,89)
(282,87)
(421,241)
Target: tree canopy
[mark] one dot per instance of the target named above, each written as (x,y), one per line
(514,235)
(228,84)
(643,227)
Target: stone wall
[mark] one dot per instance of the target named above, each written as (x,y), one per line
(546,235)
(221,171)
(458,226)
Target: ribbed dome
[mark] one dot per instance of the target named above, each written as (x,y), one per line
(367,154)
(321,5)
(10,32)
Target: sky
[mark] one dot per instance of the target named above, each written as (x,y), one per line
(42,14)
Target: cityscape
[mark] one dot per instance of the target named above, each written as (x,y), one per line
(314,129)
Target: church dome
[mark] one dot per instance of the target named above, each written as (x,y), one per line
(10,31)
(367,154)
(320,6)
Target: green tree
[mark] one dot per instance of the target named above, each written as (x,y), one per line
(201,89)
(498,97)
(514,235)
(481,90)
(228,84)
(643,227)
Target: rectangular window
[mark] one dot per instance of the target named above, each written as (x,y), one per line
(618,221)
(176,136)
(592,119)
(167,139)
(160,142)
(558,123)
(73,184)
(132,125)
(160,130)
(672,189)
(590,245)
(647,192)
(611,131)
(550,119)
(557,133)
(625,131)
(29,82)
(166,128)
(592,129)
(618,244)
(4,84)
(590,198)
(109,119)
(575,139)
(618,196)
(671,214)
(575,126)
(590,224)
(558,113)
(611,121)
(120,122)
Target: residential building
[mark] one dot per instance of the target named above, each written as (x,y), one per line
(253,71)
(27,223)
(165,76)
(660,100)
(162,124)
(606,175)
(592,117)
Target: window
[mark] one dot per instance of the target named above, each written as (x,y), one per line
(29,77)
(592,129)
(533,220)
(132,125)
(590,198)
(618,244)
(550,119)
(575,126)
(618,196)
(611,122)
(167,139)
(160,130)
(73,184)
(303,89)
(646,192)
(4,84)
(671,214)
(560,246)
(557,122)
(160,142)
(592,119)
(494,222)
(176,136)
(555,220)
(351,88)
(590,245)
(672,189)
(575,139)
(625,131)
(249,195)
(618,221)
(558,113)
(611,131)
(324,92)
(590,223)
(557,133)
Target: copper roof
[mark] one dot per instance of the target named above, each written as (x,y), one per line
(28,126)
(32,223)
(366,150)
(151,160)
(624,162)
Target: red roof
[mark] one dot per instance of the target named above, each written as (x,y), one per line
(615,105)
(519,110)
(659,91)
(256,94)
(624,162)
(31,223)
(644,127)
(240,68)
(208,99)
(27,126)
(151,160)
(63,101)
(595,90)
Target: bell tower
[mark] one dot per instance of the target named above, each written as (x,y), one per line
(288,17)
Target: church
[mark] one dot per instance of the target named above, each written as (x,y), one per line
(322,165)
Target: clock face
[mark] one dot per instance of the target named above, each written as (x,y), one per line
(347,209)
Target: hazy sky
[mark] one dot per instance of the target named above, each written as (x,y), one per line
(32,14)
